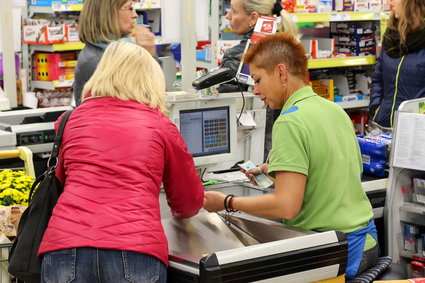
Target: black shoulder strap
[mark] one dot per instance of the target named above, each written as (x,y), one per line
(58,137)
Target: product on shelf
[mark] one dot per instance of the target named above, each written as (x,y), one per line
(319,48)
(329,6)
(324,6)
(375,153)
(354,38)
(54,2)
(49,31)
(54,66)
(417,269)
(412,238)
(54,98)
(418,195)
(360,121)
(324,88)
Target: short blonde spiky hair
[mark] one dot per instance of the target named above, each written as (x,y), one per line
(128,72)
(277,49)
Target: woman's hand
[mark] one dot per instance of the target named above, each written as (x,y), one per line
(146,39)
(260,169)
(214,201)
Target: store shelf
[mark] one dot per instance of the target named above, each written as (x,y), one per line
(146,5)
(55,8)
(374,185)
(411,255)
(412,213)
(354,103)
(68,46)
(51,85)
(336,17)
(341,62)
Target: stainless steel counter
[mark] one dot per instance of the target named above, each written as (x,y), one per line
(226,188)
(215,247)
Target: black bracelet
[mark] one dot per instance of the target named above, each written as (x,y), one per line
(231,208)
(226,207)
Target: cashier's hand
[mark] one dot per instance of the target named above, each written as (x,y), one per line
(214,201)
(146,39)
(263,168)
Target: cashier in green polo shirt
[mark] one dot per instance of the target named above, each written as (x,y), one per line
(315,160)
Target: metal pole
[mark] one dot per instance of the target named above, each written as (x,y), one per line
(188,43)
(9,70)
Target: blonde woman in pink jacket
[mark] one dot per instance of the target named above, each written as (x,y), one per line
(118,147)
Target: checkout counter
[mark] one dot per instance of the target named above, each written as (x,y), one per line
(217,247)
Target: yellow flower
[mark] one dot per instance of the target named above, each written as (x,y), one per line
(14,187)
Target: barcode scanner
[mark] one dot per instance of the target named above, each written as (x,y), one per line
(215,77)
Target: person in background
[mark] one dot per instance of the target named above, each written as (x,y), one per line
(399,73)
(118,147)
(100,23)
(315,161)
(243,15)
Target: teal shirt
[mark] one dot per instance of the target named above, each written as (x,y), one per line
(315,137)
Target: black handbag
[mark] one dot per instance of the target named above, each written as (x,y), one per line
(24,263)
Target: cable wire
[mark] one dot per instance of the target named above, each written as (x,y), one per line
(202,174)
(243,101)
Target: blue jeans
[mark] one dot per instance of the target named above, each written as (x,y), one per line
(91,265)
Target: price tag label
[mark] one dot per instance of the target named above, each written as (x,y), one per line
(137,6)
(345,17)
(335,17)
(60,7)
(66,83)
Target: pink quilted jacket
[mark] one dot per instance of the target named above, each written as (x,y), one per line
(114,156)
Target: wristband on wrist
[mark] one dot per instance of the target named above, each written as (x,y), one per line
(226,202)
(231,208)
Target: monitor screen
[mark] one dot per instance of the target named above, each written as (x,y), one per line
(206,131)
(208,127)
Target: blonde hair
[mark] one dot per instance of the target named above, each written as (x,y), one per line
(265,7)
(277,49)
(128,72)
(98,21)
(411,19)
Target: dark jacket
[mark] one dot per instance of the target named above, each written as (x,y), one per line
(232,59)
(88,59)
(396,80)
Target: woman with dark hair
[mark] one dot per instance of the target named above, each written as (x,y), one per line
(399,73)
(100,23)
(315,161)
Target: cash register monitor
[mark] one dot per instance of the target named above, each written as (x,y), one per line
(208,128)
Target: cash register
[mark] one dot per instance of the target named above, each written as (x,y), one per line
(33,128)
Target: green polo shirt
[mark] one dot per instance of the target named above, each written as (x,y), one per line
(315,137)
